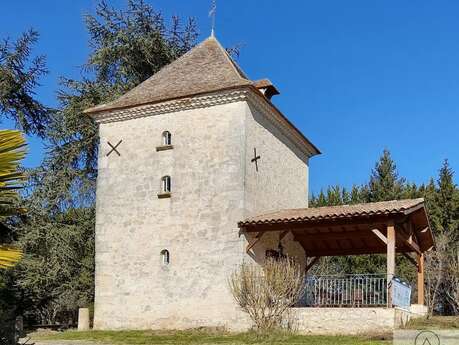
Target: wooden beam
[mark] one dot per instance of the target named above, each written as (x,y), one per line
(257,238)
(408,240)
(380,235)
(343,252)
(283,234)
(311,263)
(342,235)
(420,280)
(410,259)
(373,222)
(390,261)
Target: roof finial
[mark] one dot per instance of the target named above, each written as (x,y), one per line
(212,13)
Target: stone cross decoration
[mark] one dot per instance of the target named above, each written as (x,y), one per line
(114,148)
(255,158)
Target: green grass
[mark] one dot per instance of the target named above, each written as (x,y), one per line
(206,337)
(434,322)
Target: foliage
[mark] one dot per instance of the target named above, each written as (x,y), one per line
(442,267)
(442,201)
(56,275)
(267,292)
(19,75)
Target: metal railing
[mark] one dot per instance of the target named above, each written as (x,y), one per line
(358,290)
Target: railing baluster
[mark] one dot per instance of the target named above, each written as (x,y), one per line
(342,291)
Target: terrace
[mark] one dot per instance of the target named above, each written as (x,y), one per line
(391,228)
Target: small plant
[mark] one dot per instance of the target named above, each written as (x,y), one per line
(268,292)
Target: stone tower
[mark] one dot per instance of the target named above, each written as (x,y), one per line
(183,158)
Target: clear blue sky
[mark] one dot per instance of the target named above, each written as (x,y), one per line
(355,76)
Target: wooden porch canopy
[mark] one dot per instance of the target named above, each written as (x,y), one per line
(351,229)
(389,227)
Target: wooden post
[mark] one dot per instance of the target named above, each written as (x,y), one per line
(390,261)
(420,279)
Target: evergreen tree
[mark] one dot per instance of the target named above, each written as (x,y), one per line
(443,205)
(385,184)
(19,78)
(446,216)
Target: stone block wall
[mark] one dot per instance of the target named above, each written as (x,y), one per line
(214,186)
(349,321)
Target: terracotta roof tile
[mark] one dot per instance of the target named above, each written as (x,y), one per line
(205,68)
(334,212)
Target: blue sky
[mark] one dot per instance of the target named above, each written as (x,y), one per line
(355,76)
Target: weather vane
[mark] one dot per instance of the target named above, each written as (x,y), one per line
(212,12)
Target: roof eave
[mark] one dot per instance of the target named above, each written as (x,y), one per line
(107,108)
(314,150)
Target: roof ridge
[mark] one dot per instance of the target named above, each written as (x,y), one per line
(418,200)
(233,63)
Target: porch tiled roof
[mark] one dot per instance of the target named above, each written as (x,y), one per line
(335,212)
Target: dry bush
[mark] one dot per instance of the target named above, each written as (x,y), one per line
(442,275)
(267,292)
(452,279)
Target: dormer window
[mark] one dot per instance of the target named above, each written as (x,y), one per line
(167,138)
(166,142)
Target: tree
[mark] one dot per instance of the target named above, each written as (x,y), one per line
(19,76)
(443,205)
(385,184)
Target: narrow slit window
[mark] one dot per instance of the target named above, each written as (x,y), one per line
(165,257)
(167,138)
(166,184)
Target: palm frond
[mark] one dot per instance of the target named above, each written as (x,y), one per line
(9,256)
(12,151)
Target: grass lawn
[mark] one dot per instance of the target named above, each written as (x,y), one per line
(200,337)
(434,322)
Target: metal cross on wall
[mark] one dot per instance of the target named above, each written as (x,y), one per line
(255,158)
(114,148)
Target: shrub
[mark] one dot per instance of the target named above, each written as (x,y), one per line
(267,292)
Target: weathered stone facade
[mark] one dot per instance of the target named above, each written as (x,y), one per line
(214,185)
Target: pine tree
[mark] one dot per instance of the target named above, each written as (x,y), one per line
(385,184)
(447,200)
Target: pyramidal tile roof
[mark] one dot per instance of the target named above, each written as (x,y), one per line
(205,68)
